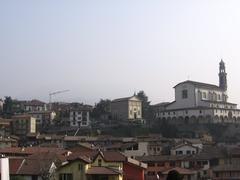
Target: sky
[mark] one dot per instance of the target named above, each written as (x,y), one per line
(111,49)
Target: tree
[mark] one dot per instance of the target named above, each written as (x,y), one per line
(147,111)
(174,175)
(8,107)
(101,108)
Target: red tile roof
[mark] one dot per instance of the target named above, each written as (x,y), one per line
(111,156)
(31,150)
(40,163)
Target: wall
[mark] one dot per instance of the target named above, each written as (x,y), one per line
(73,168)
(132,172)
(142,150)
(184,150)
(179,101)
(119,110)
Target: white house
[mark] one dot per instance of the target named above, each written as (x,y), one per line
(80,116)
(184,149)
(197,102)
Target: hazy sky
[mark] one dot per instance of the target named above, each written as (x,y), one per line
(111,48)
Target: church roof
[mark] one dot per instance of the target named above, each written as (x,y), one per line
(124,99)
(200,84)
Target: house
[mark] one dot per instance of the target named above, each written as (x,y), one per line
(34,105)
(74,169)
(43,118)
(7,142)
(49,140)
(40,166)
(186,173)
(184,149)
(95,164)
(28,151)
(226,172)
(5,127)
(156,165)
(134,170)
(197,102)
(80,116)
(22,125)
(127,109)
(107,165)
(197,164)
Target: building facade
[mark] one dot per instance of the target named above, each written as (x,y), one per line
(128,109)
(22,125)
(197,102)
(80,116)
(43,118)
(34,105)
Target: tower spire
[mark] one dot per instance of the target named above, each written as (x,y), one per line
(222,76)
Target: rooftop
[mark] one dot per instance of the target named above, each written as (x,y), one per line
(200,84)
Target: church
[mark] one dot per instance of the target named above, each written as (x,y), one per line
(197,102)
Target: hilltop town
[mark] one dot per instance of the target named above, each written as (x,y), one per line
(125,138)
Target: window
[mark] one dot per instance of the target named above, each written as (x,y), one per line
(204,95)
(188,152)
(66,177)
(99,162)
(200,111)
(160,164)
(179,152)
(80,167)
(151,173)
(185,94)
(130,112)
(151,165)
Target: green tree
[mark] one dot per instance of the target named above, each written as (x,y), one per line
(8,107)
(147,111)
(102,107)
(174,175)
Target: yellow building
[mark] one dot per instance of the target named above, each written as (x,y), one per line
(98,165)
(129,108)
(106,166)
(74,169)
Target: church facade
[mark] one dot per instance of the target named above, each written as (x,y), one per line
(197,102)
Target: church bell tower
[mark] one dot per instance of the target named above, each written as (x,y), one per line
(222,76)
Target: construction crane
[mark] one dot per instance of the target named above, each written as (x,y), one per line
(53,94)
